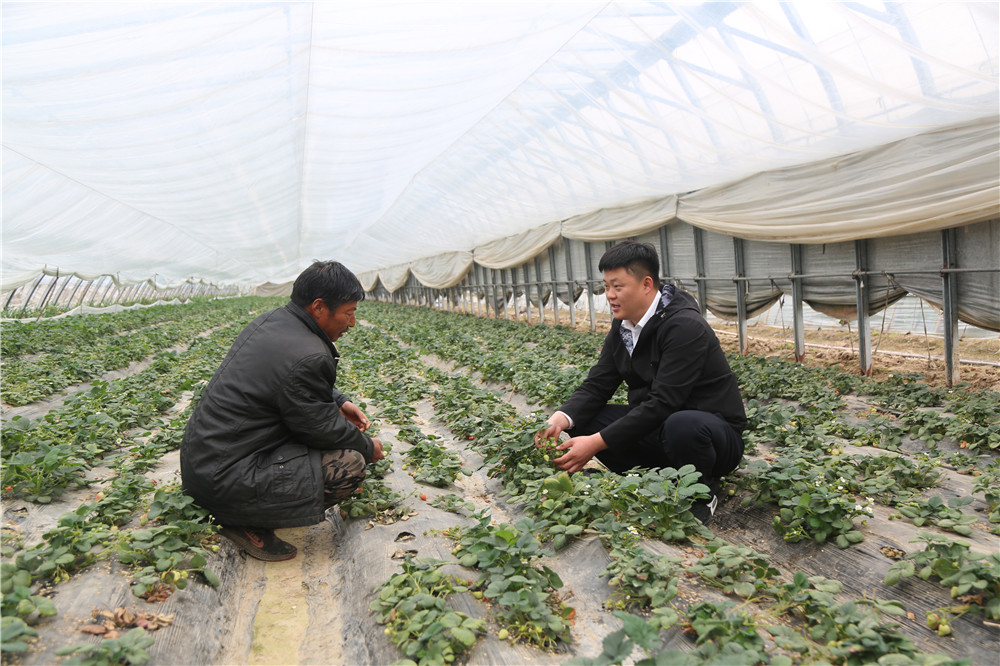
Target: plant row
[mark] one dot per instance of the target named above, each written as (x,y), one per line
(159,534)
(564,507)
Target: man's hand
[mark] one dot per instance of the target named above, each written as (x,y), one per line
(354,414)
(557,423)
(377,453)
(579,451)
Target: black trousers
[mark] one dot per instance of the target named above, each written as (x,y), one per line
(687,437)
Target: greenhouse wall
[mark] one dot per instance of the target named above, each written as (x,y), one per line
(956,271)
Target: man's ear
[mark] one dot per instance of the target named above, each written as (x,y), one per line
(315,307)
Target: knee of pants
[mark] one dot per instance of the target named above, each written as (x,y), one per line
(686,428)
(343,467)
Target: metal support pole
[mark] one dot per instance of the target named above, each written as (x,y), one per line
(86,290)
(664,257)
(949,298)
(555,286)
(55,301)
(513,292)
(512,276)
(863,293)
(69,301)
(475,293)
(503,290)
(120,294)
(481,278)
(48,292)
(798,321)
(142,292)
(493,290)
(10,297)
(742,287)
(569,284)
(590,285)
(482,286)
(130,294)
(527,292)
(699,264)
(31,293)
(104,295)
(538,285)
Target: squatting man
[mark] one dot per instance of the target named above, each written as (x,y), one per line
(272,442)
(684,404)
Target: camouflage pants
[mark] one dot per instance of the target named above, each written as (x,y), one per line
(343,472)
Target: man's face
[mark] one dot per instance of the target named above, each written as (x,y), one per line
(628,296)
(334,322)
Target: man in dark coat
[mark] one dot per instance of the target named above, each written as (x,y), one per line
(684,404)
(272,442)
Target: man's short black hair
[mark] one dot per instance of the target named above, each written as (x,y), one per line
(639,259)
(329,280)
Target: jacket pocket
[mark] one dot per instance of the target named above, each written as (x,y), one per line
(285,475)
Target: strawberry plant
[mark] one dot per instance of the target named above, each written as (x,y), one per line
(164,560)
(168,553)
(735,569)
(129,648)
(973,578)
(810,506)
(643,581)
(413,606)
(14,634)
(567,505)
(935,511)
(428,461)
(989,484)
(452,502)
(804,596)
(522,591)
(18,598)
(374,498)
(719,623)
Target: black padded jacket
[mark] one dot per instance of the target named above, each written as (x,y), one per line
(251,450)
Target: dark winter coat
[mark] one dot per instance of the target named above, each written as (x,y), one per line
(251,451)
(677,364)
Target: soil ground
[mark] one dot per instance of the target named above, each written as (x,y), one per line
(301,611)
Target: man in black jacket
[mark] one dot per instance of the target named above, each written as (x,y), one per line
(272,442)
(684,404)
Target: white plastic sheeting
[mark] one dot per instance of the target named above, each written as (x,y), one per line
(236,142)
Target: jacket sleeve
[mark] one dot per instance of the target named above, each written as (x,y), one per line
(309,409)
(599,386)
(340,398)
(682,347)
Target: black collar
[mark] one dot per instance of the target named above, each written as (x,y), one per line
(311,324)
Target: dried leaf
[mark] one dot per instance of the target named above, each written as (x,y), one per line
(977,599)
(124,617)
(154,621)
(95,629)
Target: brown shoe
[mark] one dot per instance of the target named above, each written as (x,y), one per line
(260,543)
